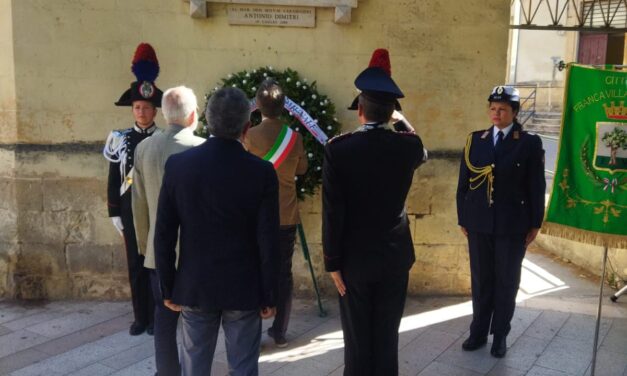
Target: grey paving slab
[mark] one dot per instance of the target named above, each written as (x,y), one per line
(9,313)
(20,359)
(615,339)
(78,320)
(324,343)
(18,341)
(144,368)
(502,370)
(581,328)
(446,369)
(524,353)
(430,338)
(459,326)
(308,366)
(407,336)
(67,362)
(547,325)
(567,355)
(479,361)
(129,356)
(121,340)
(338,372)
(417,355)
(81,337)
(523,318)
(609,363)
(35,319)
(4,330)
(93,370)
(541,371)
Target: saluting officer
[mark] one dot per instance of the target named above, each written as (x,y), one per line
(500,207)
(367,243)
(144,98)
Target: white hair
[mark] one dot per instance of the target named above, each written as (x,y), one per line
(177,104)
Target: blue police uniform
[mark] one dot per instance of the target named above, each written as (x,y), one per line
(500,198)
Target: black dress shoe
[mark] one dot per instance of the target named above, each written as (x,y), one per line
(136,328)
(499,347)
(150,330)
(474,343)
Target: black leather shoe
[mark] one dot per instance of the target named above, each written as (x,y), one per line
(150,330)
(474,343)
(499,347)
(136,329)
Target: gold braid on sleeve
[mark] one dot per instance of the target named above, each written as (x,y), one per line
(482,174)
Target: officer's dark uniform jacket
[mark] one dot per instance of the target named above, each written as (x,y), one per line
(119,151)
(367,175)
(516,203)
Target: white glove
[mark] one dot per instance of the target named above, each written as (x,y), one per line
(117,222)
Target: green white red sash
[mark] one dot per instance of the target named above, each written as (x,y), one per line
(282,146)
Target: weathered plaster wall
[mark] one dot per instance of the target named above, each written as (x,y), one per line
(8,136)
(72,61)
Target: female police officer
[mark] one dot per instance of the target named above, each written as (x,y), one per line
(500,206)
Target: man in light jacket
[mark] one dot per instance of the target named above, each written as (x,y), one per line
(179,110)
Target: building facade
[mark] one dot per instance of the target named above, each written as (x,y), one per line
(64,63)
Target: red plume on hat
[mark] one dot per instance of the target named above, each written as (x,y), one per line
(145,64)
(381,59)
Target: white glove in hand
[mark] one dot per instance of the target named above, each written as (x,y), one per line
(117,222)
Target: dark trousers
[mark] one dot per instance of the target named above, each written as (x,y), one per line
(166,320)
(495,263)
(287,237)
(242,336)
(138,276)
(371,313)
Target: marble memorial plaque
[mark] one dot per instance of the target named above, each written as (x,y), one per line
(272,15)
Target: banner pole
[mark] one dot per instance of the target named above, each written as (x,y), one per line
(305,248)
(598,323)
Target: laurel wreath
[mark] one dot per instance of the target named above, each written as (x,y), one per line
(306,94)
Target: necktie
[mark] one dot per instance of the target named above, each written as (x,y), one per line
(499,140)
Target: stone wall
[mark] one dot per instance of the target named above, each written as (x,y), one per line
(70,61)
(588,257)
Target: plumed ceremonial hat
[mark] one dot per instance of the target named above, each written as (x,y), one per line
(504,94)
(145,67)
(376,83)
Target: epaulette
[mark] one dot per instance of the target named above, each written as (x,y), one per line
(407,133)
(483,133)
(339,137)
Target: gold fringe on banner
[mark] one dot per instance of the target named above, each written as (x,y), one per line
(584,236)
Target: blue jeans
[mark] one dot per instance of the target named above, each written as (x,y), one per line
(242,332)
(166,350)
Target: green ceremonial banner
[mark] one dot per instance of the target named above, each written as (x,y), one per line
(589,198)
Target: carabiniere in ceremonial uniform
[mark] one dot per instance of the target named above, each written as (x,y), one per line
(119,150)
(366,237)
(500,207)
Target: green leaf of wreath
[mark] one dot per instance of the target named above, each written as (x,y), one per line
(306,94)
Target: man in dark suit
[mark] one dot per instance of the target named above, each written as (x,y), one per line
(500,207)
(367,243)
(224,202)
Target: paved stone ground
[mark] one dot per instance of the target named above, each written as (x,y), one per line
(552,335)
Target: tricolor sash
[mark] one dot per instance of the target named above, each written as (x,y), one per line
(282,146)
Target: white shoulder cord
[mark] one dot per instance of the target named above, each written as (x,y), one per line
(115,151)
